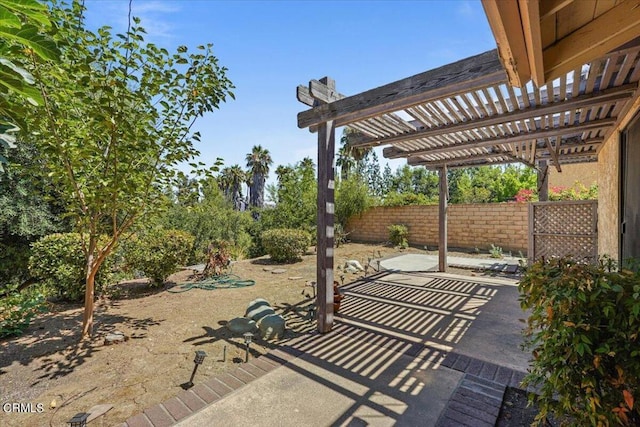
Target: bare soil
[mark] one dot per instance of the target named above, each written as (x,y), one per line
(516,412)
(48,365)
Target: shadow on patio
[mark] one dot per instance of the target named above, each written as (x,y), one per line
(384,363)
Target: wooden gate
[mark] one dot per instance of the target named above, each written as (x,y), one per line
(558,229)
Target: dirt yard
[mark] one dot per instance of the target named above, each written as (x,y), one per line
(47,366)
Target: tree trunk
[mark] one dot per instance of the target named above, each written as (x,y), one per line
(89,296)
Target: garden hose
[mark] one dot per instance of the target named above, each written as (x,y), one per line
(224,281)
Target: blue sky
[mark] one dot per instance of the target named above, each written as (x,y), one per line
(270,47)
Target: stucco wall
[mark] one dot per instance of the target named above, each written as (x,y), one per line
(469,226)
(608,197)
(583,173)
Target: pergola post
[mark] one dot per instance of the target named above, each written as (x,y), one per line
(320,92)
(324,270)
(442,219)
(543,181)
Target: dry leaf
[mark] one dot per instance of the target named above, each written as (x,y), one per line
(628,398)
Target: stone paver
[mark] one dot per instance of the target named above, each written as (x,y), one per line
(205,393)
(139,420)
(159,416)
(177,408)
(191,400)
(477,400)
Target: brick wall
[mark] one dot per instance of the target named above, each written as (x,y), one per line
(469,226)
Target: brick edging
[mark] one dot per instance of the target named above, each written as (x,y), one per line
(188,402)
(477,400)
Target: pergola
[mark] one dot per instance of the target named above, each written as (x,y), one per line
(467,114)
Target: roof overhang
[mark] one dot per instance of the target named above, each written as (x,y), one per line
(542,40)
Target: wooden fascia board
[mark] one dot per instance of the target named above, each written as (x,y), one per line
(582,101)
(507,27)
(530,16)
(394,153)
(613,28)
(449,80)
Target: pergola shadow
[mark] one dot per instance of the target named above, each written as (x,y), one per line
(382,360)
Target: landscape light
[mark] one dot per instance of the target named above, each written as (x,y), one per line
(200,355)
(79,420)
(247,341)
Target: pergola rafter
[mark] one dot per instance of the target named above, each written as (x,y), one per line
(466,114)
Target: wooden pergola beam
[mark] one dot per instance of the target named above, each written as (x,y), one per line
(495,158)
(583,101)
(553,151)
(498,158)
(449,80)
(395,153)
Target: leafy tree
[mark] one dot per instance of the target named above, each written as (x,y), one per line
(489,183)
(412,185)
(258,162)
(117,119)
(187,191)
(21,22)
(212,218)
(373,175)
(352,198)
(387,179)
(296,203)
(28,211)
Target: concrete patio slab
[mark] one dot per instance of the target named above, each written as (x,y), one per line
(304,393)
(425,262)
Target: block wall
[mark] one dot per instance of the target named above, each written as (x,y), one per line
(470,226)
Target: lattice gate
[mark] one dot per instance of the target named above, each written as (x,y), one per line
(564,228)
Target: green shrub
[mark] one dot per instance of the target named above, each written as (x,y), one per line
(158,253)
(14,262)
(285,244)
(58,262)
(584,331)
(495,251)
(17,309)
(399,235)
(406,199)
(351,198)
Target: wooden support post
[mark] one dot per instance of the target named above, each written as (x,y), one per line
(324,272)
(324,92)
(543,181)
(442,219)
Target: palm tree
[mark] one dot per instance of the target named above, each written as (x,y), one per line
(231,180)
(349,156)
(258,162)
(282,172)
